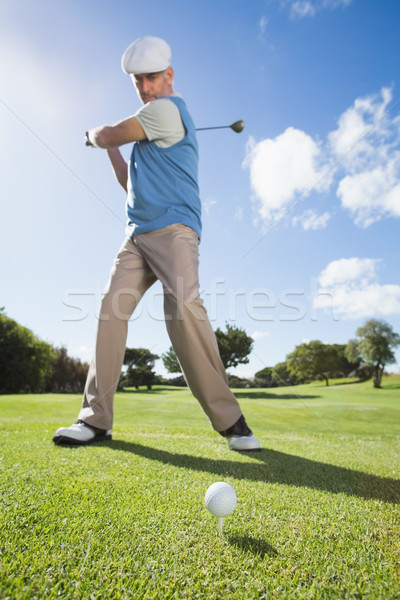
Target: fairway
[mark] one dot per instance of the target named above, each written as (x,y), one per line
(317,513)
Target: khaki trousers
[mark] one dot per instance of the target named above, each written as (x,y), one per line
(170,255)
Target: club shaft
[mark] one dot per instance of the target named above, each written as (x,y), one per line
(218,127)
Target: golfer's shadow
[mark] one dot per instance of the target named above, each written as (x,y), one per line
(277,467)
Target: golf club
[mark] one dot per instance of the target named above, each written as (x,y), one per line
(237,126)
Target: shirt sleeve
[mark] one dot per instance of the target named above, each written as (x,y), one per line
(161,121)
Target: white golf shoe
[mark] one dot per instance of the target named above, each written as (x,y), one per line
(244,443)
(80,434)
(240,437)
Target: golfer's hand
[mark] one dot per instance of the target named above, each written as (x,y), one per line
(87,140)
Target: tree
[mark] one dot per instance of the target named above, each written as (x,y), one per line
(282,376)
(170,361)
(375,343)
(69,374)
(140,362)
(276,376)
(264,378)
(362,370)
(179,381)
(314,359)
(344,366)
(26,362)
(352,353)
(239,382)
(234,347)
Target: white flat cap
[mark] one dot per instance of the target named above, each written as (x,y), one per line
(146,55)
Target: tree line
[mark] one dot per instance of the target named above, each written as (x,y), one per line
(364,357)
(30,365)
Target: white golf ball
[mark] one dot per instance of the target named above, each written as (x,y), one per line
(220,499)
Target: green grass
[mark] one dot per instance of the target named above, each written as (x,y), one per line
(317,514)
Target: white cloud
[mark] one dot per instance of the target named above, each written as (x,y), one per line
(350,287)
(259,335)
(362,157)
(370,195)
(362,129)
(281,169)
(367,143)
(262,24)
(348,270)
(308,8)
(370,301)
(239,213)
(352,128)
(207,204)
(302,8)
(311,220)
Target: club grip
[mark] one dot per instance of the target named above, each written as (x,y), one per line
(87,140)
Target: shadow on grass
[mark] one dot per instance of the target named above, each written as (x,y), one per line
(250,394)
(256,546)
(154,390)
(271,466)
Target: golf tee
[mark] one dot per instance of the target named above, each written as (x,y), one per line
(220,524)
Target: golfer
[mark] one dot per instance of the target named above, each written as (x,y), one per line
(163,234)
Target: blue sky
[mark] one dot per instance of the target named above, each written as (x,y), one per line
(300,211)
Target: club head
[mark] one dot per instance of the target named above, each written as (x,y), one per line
(237,126)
